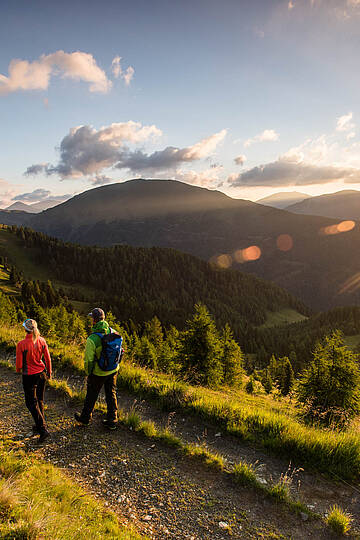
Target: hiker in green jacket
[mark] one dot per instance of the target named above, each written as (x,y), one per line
(97,377)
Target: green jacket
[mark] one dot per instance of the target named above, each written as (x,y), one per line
(93,350)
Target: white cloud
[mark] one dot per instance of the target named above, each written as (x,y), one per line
(344,122)
(24,75)
(206,178)
(240,160)
(266,135)
(34,196)
(350,135)
(87,151)
(205,147)
(287,173)
(169,158)
(117,70)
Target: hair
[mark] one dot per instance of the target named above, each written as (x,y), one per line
(35,335)
(34,329)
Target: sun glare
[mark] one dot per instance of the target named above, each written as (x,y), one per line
(284,242)
(251,253)
(343,226)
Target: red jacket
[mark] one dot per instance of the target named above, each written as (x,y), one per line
(30,356)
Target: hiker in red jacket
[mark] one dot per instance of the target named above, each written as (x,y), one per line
(33,361)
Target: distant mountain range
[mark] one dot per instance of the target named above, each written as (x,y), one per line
(35,207)
(343,205)
(318,268)
(283,199)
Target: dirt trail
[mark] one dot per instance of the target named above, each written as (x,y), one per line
(163,493)
(314,489)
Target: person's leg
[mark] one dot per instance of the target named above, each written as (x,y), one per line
(30,383)
(110,396)
(40,391)
(94,384)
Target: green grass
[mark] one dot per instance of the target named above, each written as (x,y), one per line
(257,419)
(38,501)
(254,420)
(244,474)
(338,520)
(24,260)
(281,317)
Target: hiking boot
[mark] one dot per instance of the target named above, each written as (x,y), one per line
(109,424)
(43,437)
(80,419)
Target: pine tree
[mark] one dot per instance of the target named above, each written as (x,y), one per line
(153,330)
(287,377)
(200,349)
(329,389)
(148,353)
(250,385)
(232,358)
(266,381)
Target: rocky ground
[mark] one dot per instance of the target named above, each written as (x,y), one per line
(165,494)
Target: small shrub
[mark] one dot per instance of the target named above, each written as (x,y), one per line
(133,420)
(213,460)
(148,428)
(250,386)
(338,520)
(280,491)
(244,474)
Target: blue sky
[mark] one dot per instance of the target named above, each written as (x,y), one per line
(200,83)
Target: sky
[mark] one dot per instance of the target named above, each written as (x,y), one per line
(250,97)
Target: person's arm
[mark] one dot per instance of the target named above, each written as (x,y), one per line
(89,358)
(47,358)
(19,359)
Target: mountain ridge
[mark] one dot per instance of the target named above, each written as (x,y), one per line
(344,204)
(283,199)
(295,251)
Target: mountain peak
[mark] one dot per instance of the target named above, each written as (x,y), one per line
(283,199)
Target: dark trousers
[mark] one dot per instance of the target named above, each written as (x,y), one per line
(94,385)
(34,388)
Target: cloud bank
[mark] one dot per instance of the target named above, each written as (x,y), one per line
(79,66)
(34,196)
(86,151)
(286,173)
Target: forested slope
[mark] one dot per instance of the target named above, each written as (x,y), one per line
(138,283)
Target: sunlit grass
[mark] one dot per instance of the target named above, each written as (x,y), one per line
(338,520)
(258,419)
(39,501)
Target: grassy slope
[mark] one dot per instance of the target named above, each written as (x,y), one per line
(23,260)
(37,500)
(284,316)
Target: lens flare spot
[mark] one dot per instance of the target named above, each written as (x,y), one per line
(343,226)
(284,242)
(251,253)
(346,226)
(224,261)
